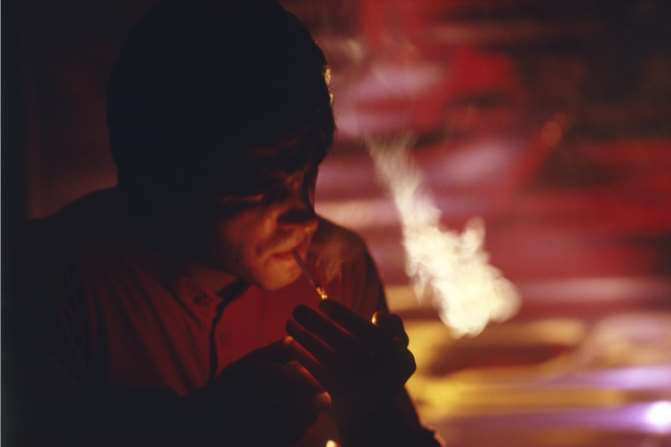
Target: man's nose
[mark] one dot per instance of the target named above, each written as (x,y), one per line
(298,213)
(302,218)
(297,210)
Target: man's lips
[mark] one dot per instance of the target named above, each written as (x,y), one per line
(285,255)
(288,254)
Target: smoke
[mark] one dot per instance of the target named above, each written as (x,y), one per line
(330,249)
(450,268)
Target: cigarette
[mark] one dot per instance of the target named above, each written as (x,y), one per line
(319,290)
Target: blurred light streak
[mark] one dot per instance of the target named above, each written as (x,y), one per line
(658,415)
(373,213)
(358,214)
(653,377)
(352,123)
(535,154)
(392,80)
(627,340)
(628,417)
(605,289)
(571,290)
(476,164)
(444,165)
(383,82)
(554,389)
(483,32)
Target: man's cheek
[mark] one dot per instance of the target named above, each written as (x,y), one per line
(223,247)
(262,236)
(237,241)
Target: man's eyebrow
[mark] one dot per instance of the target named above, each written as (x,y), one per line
(284,150)
(283,174)
(275,175)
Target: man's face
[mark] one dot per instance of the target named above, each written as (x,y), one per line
(253,237)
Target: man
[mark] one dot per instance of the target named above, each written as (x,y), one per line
(156,313)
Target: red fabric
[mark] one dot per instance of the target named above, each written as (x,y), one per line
(111,312)
(158,332)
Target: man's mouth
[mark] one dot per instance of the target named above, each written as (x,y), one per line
(301,247)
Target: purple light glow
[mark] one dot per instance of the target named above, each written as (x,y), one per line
(658,416)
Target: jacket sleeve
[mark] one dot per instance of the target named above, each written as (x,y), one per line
(58,395)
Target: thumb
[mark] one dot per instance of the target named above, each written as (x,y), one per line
(277,351)
(391,326)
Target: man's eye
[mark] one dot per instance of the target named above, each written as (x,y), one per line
(256,198)
(244,200)
(235,204)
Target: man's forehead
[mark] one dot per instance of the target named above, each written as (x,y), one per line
(285,174)
(283,158)
(262,167)
(283,148)
(269,180)
(267,165)
(264,152)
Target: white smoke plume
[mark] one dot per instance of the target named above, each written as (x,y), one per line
(450,268)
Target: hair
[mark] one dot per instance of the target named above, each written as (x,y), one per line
(199,83)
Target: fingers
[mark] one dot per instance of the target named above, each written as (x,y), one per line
(348,319)
(321,351)
(329,331)
(327,341)
(341,330)
(291,361)
(307,385)
(338,346)
(391,326)
(275,352)
(383,325)
(299,376)
(306,359)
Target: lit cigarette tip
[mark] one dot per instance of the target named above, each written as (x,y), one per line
(304,268)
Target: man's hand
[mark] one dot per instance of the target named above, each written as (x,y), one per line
(263,397)
(363,365)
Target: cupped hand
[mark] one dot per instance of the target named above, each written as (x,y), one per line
(266,396)
(363,365)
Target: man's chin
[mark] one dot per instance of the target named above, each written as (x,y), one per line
(277,275)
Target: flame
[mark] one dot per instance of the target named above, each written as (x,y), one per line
(450,267)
